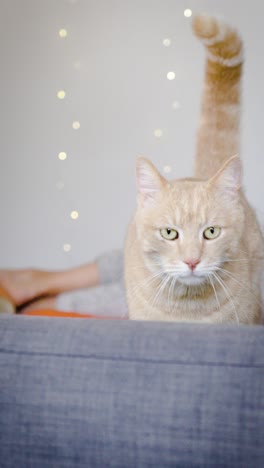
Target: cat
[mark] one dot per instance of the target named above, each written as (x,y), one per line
(194,248)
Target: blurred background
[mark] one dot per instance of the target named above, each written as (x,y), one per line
(86,86)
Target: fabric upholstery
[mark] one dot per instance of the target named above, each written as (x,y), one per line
(96,393)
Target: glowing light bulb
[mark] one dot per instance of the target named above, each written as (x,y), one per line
(60,185)
(176,105)
(187,13)
(62,156)
(61,94)
(166,42)
(74,215)
(63,33)
(167,169)
(66,247)
(158,133)
(77,65)
(171,75)
(76,125)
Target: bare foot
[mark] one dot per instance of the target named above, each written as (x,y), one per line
(23,285)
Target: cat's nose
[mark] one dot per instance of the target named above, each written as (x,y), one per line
(192,264)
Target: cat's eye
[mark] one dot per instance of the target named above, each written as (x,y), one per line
(211,232)
(169,234)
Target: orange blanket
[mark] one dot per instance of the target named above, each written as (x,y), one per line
(8,306)
(56,313)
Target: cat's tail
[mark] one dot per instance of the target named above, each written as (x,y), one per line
(218,133)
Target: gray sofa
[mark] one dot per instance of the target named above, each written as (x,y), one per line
(108,393)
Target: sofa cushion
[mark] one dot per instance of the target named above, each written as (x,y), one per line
(92,393)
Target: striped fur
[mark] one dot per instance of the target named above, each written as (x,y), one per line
(218,133)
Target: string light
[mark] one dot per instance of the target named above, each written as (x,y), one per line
(77,65)
(76,125)
(171,75)
(176,105)
(62,156)
(167,169)
(187,13)
(166,42)
(63,33)
(158,133)
(60,185)
(74,215)
(61,94)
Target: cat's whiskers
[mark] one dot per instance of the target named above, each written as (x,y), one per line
(146,282)
(240,283)
(164,274)
(171,292)
(158,292)
(174,272)
(246,260)
(227,291)
(213,286)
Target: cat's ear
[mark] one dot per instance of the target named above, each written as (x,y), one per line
(149,181)
(228,180)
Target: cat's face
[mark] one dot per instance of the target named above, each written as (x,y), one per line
(189,228)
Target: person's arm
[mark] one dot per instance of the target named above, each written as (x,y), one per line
(56,286)
(32,287)
(23,286)
(83,276)
(110,266)
(107,268)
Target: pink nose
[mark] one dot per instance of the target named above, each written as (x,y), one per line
(192,264)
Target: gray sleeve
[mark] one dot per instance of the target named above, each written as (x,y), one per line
(106,300)
(110,266)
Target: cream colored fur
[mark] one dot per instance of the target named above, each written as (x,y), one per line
(192,278)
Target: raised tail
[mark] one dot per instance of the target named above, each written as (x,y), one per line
(218,133)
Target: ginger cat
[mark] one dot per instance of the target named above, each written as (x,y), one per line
(194,248)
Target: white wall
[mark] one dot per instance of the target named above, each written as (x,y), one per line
(113,67)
